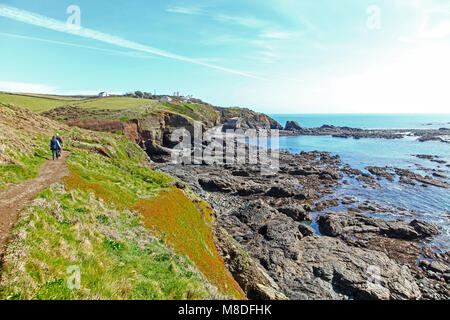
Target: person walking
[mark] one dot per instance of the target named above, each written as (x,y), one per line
(58,137)
(55,146)
(60,144)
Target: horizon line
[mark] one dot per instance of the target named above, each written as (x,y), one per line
(266,113)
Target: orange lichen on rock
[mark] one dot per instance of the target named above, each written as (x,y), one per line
(187,228)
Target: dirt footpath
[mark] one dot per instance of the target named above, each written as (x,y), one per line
(18,196)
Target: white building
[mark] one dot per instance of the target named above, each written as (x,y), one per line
(165,99)
(103,94)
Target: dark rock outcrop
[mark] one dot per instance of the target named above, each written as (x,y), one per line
(248,119)
(295,211)
(329,269)
(346,224)
(292,126)
(250,275)
(216,184)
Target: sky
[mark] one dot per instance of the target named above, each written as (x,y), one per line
(273,56)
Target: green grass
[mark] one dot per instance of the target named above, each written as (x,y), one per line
(27,166)
(116,255)
(109,106)
(42,103)
(113,103)
(96,221)
(192,111)
(115,180)
(56,97)
(24,144)
(35,104)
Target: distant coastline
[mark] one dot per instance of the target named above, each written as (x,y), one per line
(367,121)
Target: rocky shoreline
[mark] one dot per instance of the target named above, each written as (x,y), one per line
(265,231)
(293,128)
(277,233)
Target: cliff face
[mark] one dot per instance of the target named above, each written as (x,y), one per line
(249,119)
(152,131)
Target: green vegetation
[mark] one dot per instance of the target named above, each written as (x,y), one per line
(117,258)
(119,108)
(124,226)
(26,166)
(176,218)
(115,178)
(36,104)
(198,112)
(112,103)
(42,103)
(56,97)
(24,143)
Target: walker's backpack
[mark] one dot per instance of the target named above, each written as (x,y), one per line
(54,145)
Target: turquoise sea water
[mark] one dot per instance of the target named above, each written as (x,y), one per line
(428,203)
(368,121)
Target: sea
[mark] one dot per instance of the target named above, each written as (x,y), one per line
(429,203)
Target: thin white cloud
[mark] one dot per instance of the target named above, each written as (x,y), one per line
(21,87)
(131,53)
(276,35)
(185,10)
(53,24)
(245,21)
(267,30)
(249,22)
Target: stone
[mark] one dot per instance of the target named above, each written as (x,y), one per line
(351,223)
(439,267)
(216,184)
(305,230)
(296,212)
(292,126)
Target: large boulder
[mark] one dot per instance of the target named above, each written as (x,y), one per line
(250,275)
(352,223)
(216,184)
(250,188)
(292,126)
(330,269)
(322,268)
(254,214)
(295,211)
(283,233)
(287,190)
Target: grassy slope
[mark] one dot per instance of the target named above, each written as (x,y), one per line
(55,97)
(23,143)
(35,104)
(108,218)
(112,103)
(197,112)
(43,103)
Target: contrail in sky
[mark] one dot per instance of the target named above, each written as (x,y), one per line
(53,24)
(125,53)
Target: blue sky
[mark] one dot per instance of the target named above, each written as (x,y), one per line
(274,56)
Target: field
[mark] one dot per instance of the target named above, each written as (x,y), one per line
(113,103)
(36,104)
(111,108)
(43,103)
(55,97)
